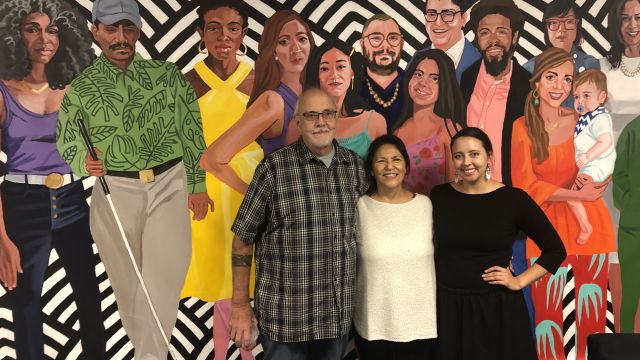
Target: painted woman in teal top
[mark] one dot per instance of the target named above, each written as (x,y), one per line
(336,68)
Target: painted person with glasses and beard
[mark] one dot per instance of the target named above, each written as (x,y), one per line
(562,28)
(300,214)
(444,21)
(492,88)
(381,44)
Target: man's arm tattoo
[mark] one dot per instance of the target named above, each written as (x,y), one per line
(241,260)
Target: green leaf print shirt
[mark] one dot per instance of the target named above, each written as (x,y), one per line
(139,118)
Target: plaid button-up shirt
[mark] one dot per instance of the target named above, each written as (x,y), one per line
(301,215)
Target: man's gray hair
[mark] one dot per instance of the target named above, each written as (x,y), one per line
(310,92)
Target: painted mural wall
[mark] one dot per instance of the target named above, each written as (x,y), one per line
(169,33)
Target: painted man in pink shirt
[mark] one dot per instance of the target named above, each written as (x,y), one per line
(495,86)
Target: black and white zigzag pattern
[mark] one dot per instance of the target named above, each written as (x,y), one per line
(169,33)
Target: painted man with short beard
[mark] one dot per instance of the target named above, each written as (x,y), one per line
(493,85)
(493,89)
(381,45)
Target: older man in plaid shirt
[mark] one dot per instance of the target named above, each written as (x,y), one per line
(300,212)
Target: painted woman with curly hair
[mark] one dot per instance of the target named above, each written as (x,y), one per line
(44,44)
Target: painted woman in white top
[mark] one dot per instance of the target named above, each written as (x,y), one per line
(395,308)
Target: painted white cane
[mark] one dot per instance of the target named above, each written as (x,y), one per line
(107,192)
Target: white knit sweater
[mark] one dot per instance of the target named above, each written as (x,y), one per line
(396,287)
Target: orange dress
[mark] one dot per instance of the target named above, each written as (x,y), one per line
(542,180)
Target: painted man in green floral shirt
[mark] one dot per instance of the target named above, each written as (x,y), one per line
(144,120)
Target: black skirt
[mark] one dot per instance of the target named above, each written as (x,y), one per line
(491,324)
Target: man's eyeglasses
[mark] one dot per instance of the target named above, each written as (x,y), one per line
(313,116)
(376,39)
(447,15)
(569,24)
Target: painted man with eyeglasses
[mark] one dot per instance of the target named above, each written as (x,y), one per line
(300,213)
(444,21)
(381,45)
(562,27)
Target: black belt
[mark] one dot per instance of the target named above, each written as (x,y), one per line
(157,170)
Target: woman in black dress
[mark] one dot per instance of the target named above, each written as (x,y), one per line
(480,308)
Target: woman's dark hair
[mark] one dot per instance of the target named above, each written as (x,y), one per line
(450,103)
(74,52)
(206,5)
(475,133)
(386,139)
(561,8)
(352,99)
(267,70)
(614,56)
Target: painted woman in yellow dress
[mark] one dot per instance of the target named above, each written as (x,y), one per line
(222,84)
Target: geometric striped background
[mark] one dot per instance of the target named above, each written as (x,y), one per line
(169,33)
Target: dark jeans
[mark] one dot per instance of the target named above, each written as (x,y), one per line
(37,219)
(327,349)
(391,350)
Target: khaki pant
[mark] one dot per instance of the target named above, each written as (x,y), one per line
(155,219)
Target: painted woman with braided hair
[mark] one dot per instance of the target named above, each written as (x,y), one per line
(44,43)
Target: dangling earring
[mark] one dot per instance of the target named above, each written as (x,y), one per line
(245,50)
(487,173)
(352,78)
(202,49)
(536,100)
(456,178)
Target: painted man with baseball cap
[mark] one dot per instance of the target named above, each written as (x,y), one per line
(144,121)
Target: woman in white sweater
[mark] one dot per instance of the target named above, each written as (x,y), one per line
(395,312)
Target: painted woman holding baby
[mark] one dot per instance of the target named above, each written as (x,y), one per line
(544,165)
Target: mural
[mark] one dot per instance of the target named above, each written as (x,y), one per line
(172,31)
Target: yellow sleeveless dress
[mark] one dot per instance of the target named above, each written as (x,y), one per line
(209,276)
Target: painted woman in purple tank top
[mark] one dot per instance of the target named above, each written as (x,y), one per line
(432,113)
(42,203)
(283,53)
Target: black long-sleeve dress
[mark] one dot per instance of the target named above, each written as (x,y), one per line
(473,232)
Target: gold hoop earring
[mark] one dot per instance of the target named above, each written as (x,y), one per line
(245,50)
(201,48)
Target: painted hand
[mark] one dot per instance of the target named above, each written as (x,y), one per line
(582,160)
(94,167)
(591,191)
(199,204)
(9,263)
